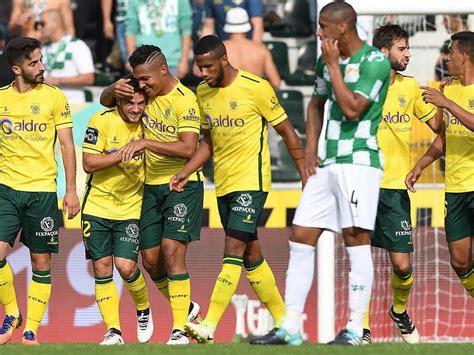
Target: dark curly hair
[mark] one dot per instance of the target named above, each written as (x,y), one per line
(146,54)
(20,48)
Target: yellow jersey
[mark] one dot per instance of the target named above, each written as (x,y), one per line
(459,173)
(115,192)
(403,104)
(165,118)
(237,117)
(28,127)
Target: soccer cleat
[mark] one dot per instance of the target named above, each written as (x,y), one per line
(200,332)
(144,325)
(178,337)
(346,337)
(112,338)
(10,323)
(278,336)
(366,337)
(408,331)
(29,338)
(194,312)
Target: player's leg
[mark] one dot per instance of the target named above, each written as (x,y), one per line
(97,238)
(9,227)
(40,234)
(126,245)
(459,223)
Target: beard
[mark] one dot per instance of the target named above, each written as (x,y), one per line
(397,66)
(33,79)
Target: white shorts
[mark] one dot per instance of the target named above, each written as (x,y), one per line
(340,196)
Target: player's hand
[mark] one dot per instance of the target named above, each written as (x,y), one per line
(330,50)
(435,97)
(446,81)
(122,90)
(131,150)
(178,181)
(311,161)
(71,204)
(412,178)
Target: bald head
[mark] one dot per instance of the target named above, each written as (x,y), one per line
(341,12)
(52,16)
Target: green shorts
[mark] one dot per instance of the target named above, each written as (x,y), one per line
(171,214)
(459,215)
(105,237)
(35,213)
(240,211)
(393,230)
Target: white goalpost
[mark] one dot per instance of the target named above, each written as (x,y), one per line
(440,307)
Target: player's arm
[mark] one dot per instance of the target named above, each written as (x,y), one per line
(200,157)
(314,127)
(434,152)
(293,144)
(92,163)
(438,98)
(352,104)
(184,147)
(119,89)
(70,200)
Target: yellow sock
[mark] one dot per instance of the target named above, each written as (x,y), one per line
(367,317)
(136,286)
(7,290)
(108,301)
(468,282)
(161,284)
(224,289)
(263,283)
(38,298)
(180,297)
(401,286)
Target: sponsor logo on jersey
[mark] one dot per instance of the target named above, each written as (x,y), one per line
(275,103)
(132,230)
(92,135)
(192,116)
(396,117)
(47,225)
(158,125)
(8,126)
(406,226)
(225,121)
(450,119)
(180,210)
(67,111)
(244,200)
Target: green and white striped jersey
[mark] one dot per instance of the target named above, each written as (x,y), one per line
(354,141)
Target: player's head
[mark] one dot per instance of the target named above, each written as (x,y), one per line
(150,68)
(336,19)
(131,109)
(392,40)
(211,59)
(461,52)
(25,58)
(51,26)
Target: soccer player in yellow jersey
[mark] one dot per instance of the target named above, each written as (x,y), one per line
(111,211)
(33,115)
(456,102)
(393,231)
(236,107)
(169,220)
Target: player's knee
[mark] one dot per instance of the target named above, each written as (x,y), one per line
(460,266)
(126,271)
(151,267)
(402,269)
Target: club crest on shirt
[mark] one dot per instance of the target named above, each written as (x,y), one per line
(233,104)
(402,101)
(471,103)
(167,112)
(35,109)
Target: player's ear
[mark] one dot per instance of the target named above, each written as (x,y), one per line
(385,51)
(16,70)
(224,60)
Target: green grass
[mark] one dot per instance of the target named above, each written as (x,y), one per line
(240,349)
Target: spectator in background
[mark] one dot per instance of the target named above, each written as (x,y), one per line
(247,54)
(164,23)
(216,17)
(6,75)
(5,11)
(453,24)
(108,25)
(26,16)
(67,60)
(198,11)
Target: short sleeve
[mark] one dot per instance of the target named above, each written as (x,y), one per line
(61,112)
(320,86)
(83,58)
(255,8)
(95,135)
(374,71)
(189,115)
(268,104)
(422,110)
(208,9)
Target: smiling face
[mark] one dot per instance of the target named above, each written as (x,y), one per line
(131,110)
(32,68)
(399,54)
(211,67)
(151,77)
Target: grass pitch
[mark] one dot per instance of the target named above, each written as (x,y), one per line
(239,349)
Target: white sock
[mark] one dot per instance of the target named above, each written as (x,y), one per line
(361,278)
(299,278)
